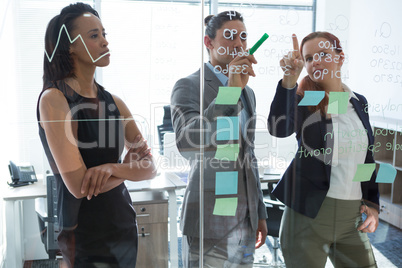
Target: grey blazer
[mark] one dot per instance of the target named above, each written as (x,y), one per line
(185,109)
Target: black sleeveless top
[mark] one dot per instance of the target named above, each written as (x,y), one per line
(106,224)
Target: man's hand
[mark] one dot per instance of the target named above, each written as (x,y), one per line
(371,222)
(261,234)
(240,69)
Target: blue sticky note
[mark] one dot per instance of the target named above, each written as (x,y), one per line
(338,102)
(386,173)
(228,152)
(226,182)
(228,95)
(364,172)
(225,206)
(312,98)
(227,128)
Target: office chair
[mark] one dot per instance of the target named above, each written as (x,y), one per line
(46,209)
(165,127)
(275,210)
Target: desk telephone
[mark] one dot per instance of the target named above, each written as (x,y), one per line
(21,175)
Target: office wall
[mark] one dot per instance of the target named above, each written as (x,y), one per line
(370,33)
(376,55)
(6,78)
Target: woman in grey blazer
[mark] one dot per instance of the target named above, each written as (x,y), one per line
(230,240)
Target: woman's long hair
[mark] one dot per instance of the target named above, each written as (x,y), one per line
(57,63)
(306,84)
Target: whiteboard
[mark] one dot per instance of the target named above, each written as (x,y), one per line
(375,55)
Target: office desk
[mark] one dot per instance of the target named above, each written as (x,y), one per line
(166,181)
(14,217)
(169,182)
(270,178)
(270,175)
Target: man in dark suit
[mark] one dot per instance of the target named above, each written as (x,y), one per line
(230,239)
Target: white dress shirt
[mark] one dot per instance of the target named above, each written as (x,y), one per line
(350,149)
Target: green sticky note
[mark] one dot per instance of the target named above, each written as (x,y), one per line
(227,128)
(225,206)
(338,102)
(364,172)
(227,152)
(228,95)
(312,98)
(226,182)
(386,173)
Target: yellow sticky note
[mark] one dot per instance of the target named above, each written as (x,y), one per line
(225,206)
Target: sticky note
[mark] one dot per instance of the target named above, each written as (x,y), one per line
(227,152)
(228,95)
(226,182)
(338,102)
(312,98)
(225,206)
(364,172)
(386,173)
(227,128)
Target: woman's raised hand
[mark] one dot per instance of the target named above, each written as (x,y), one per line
(292,65)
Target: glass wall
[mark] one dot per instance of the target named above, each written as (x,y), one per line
(229,176)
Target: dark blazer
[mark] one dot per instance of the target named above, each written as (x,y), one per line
(185,109)
(305,183)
